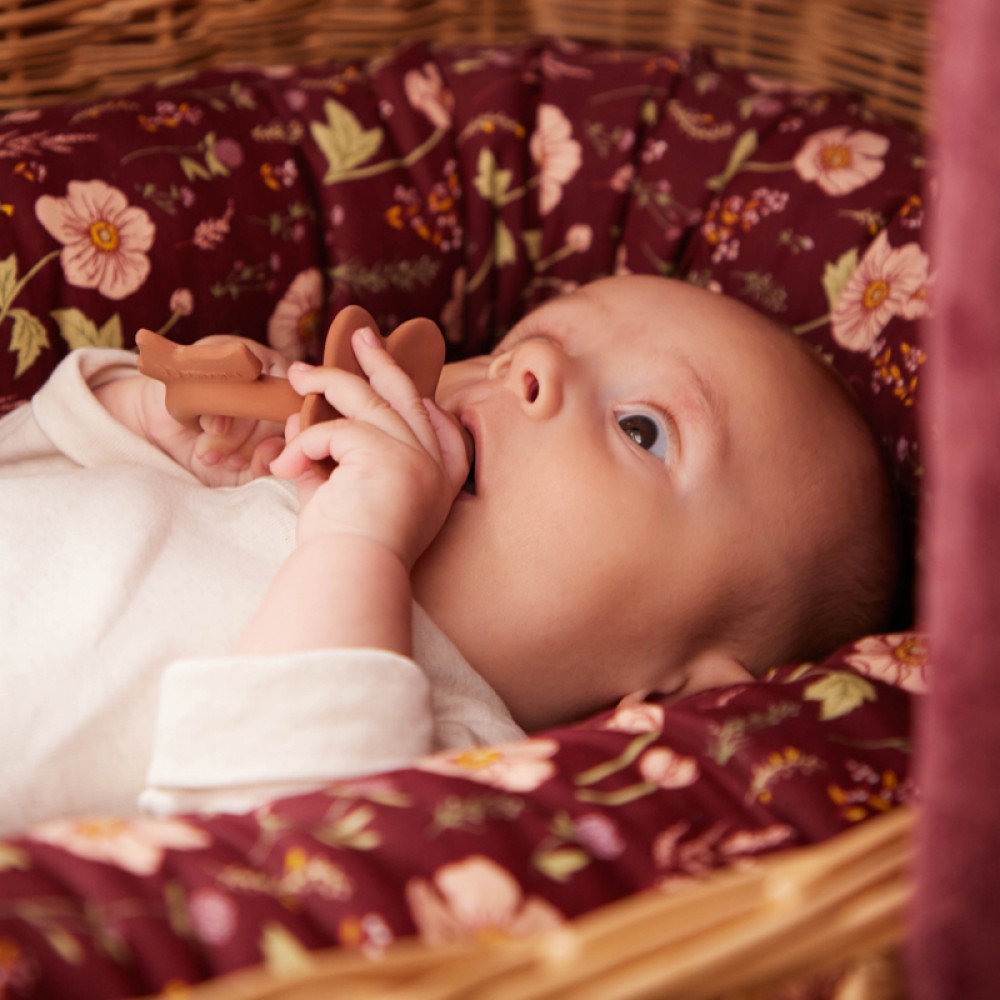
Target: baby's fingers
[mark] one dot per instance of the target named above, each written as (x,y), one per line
(452,442)
(223,440)
(394,385)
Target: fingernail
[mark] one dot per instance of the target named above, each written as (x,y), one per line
(210,458)
(368,336)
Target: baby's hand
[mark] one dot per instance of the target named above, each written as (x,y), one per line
(221,451)
(401,460)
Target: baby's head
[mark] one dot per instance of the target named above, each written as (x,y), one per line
(670,492)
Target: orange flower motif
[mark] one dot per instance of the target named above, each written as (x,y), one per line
(104,238)
(899,659)
(476,899)
(515,767)
(873,792)
(137,845)
(294,324)
(840,161)
(887,282)
(901,376)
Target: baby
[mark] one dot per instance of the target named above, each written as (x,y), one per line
(668,493)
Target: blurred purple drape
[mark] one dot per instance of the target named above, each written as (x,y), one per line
(954,936)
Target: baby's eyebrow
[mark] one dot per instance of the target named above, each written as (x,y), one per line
(707,396)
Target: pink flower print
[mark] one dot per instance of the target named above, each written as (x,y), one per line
(294,324)
(885,283)
(899,659)
(104,239)
(170,115)
(210,233)
(213,914)
(579,237)
(636,716)
(840,161)
(297,100)
(515,767)
(137,845)
(556,153)
(668,769)
(726,219)
(476,899)
(182,302)
(229,153)
(654,151)
(600,835)
(743,843)
(621,179)
(426,91)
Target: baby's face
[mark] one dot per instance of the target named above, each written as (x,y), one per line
(640,447)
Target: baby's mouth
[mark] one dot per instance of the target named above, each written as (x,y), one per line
(470,450)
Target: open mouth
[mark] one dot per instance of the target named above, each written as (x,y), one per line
(470,447)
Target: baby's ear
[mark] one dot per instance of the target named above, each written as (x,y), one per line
(712,669)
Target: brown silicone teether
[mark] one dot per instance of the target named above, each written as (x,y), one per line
(417,347)
(223,378)
(226,378)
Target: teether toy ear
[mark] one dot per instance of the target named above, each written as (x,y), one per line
(417,347)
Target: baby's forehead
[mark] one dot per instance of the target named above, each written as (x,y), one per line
(661,325)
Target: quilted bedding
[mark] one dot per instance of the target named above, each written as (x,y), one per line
(465,184)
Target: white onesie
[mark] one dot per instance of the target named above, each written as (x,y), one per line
(123,583)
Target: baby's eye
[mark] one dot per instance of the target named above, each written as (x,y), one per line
(647,430)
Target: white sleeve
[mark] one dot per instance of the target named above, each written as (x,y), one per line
(234,732)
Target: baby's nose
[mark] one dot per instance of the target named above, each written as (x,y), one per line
(535,372)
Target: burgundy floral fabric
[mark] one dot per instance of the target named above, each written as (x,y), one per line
(466,184)
(497,841)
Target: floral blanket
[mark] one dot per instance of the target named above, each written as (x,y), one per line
(465,184)
(499,841)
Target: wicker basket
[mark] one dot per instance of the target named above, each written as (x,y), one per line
(832,912)
(846,898)
(54,49)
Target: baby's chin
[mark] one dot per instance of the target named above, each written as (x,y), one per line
(436,577)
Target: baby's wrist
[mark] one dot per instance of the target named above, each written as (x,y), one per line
(335,590)
(343,547)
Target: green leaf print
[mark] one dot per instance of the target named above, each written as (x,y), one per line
(837,274)
(343,141)
(79,330)
(491,182)
(744,148)
(27,339)
(839,693)
(8,282)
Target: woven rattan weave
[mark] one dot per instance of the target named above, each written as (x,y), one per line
(53,49)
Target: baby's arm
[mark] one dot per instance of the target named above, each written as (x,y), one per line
(221,451)
(400,464)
